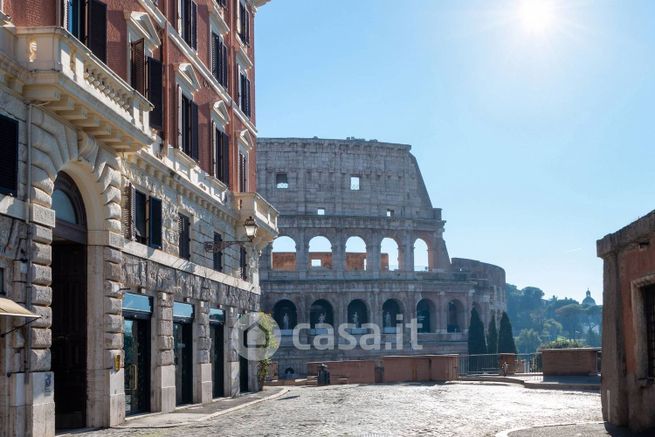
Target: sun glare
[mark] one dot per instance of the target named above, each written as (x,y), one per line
(536,16)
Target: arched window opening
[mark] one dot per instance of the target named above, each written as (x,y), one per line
(390,315)
(283,255)
(426,316)
(321,313)
(355,254)
(320,253)
(389,255)
(455,316)
(285,315)
(421,261)
(357,315)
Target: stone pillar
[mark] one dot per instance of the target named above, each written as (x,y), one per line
(373,257)
(232,388)
(163,383)
(302,255)
(443,313)
(338,255)
(202,374)
(406,253)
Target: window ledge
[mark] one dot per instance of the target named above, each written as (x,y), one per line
(4,19)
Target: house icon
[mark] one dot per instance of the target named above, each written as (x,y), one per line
(255,336)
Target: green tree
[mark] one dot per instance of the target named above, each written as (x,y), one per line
(551,329)
(570,316)
(505,336)
(492,336)
(476,341)
(528,341)
(592,338)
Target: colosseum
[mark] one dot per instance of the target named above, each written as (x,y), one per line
(361,244)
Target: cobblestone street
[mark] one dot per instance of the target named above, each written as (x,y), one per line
(453,409)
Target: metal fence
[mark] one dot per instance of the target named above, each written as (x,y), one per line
(497,364)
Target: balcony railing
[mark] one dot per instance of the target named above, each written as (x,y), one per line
(255,206)
(80,88)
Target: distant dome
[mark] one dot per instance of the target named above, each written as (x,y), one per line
(588,300)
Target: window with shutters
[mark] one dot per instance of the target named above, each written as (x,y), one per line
(188,22)
(281,181)
(87,21)
(244,23)
(219,59)
(142,218)
(189,127)
(218,256)
(184,236)
(138,66)
(221,156)
(244,94)
(243,263)
(243,172)
(9,161)
(155,91)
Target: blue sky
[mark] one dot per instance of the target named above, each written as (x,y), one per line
(534,143)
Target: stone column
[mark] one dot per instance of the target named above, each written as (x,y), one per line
(442,323)
(373,257)
(163,383)
(338,255)
(232,387)
(202,344)
(302,254)
(406,253)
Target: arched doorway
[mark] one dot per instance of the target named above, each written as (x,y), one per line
(455,316)
(321,313)
(390,312)
(357,313)
(425,316)
(69,305)
(285,315)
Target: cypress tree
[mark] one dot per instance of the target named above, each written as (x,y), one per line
(477,343)
(492,336)
(505,336)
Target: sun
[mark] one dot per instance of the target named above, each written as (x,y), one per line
(536,16)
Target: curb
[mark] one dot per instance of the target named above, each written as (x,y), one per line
(506,433)
(204,417)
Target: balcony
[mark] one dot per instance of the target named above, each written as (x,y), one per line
(77,86)
(255,206)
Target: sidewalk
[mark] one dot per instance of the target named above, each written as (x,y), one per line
(578,430)
(197,413)
(537,380)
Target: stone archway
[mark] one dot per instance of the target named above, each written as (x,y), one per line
(95,172)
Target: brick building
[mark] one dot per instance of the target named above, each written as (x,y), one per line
(628,363)
(360,242)
(128,140)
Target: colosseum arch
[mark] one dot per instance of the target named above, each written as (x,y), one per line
(421,257)
(283,254)
(456,316)
(426,315)
(321,311)
(389,255)
(357,313)
(285,314)
(391,309)
(320,253)
(355,254)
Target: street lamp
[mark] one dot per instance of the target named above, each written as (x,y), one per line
(251,232)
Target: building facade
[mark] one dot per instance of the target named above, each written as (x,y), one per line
(361,243)
(628,363)
(127,132)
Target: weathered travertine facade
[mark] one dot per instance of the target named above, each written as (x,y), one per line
(339,189)
(91,224)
